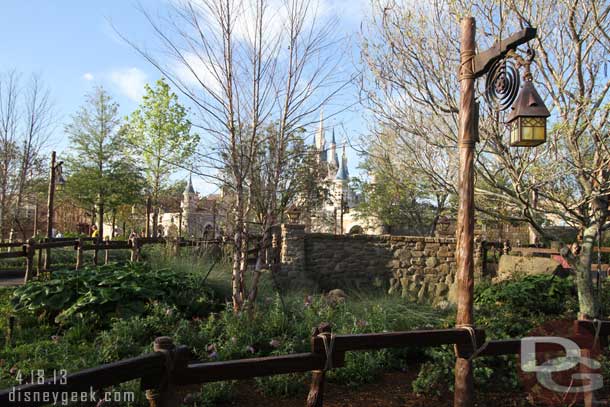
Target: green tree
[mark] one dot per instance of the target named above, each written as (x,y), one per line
(98,172)
(159,134)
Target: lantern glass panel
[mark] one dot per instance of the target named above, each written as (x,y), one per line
(514,132)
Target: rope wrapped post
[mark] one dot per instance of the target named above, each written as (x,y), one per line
(166,395)
(316,389)
(30,250)
(135,249)
(107,250)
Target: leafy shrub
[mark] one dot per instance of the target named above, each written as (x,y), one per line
(510,309)
(101,293)
(529,295)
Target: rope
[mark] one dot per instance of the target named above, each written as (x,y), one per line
(467,65)
(329,345)
(473,338)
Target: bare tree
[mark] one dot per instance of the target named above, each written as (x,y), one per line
(412,58)
(26,122)
(9,116)
(246,66)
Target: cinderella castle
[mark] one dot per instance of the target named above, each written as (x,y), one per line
(198,217)
(338,214)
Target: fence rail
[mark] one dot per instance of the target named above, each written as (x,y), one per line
(163,371)
(28,249)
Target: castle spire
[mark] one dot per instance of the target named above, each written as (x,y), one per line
(342,173)
(189,186)
(334,159)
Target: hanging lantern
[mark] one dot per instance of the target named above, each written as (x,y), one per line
(527,119)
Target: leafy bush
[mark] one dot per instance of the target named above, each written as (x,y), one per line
(101,293)
(510,309)
(529,295)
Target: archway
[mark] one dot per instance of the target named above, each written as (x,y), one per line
(356,230)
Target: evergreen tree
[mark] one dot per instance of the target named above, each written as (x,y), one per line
(99,175)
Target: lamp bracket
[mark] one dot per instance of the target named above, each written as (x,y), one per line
(483,61)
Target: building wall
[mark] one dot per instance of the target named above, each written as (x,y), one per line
(418,268)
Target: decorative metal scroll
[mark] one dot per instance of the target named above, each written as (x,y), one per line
(502,85)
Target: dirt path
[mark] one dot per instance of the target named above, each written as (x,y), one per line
(393,390)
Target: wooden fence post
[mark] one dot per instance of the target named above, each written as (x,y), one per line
(30,249)
(166,395)
(79,253)
(316,389)
(135,249)
(39,266)
(106,251)
(95,251)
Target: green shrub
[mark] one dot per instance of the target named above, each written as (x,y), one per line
(530,295)
(510,309)
(111,291)
(213,393)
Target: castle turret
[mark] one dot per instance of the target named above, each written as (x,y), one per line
(342,172)
(334,158)
(188,205)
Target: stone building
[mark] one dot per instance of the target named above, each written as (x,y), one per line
(338,214)
(201,216)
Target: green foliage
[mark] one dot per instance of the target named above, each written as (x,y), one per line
(98,294)
(529,295)
(98,174)
(284,385)
(510,309)
(159,134)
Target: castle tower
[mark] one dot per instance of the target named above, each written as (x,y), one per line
(333,164)
(188,205)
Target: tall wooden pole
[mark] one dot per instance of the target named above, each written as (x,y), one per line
(51,196)
(464,389)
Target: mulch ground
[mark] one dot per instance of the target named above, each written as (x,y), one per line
(393,390)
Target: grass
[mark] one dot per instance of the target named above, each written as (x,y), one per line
(280,323)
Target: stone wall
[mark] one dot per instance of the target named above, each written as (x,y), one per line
(418,268)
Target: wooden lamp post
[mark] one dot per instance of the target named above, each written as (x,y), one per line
(55,178)
(473,66)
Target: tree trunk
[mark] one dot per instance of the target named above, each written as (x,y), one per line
(237,253)
(587,301)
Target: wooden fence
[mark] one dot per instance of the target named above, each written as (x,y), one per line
(28,249)
(163,372)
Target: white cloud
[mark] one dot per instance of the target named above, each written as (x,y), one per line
(130,82)
(194,70)
(88,76)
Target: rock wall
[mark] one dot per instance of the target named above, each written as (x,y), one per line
(418,268)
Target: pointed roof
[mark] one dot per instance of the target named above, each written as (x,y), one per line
(342,172)
(334,159)
(528,103)
(189,186)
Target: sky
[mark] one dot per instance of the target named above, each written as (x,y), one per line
(71,44)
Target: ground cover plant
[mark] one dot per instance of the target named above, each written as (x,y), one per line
(72,322)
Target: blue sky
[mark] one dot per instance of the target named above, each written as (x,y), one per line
(71,44)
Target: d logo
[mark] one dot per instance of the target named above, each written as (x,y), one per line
(572,359)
